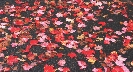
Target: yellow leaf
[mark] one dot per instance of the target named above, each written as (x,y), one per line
(92,60)
(51,29)
(63,42)
(105,16)
(131,45)
(61,48)
(81,36)
(132,63)
(20,59)
(80,14)
(100,39)
(113,52)
(121,22)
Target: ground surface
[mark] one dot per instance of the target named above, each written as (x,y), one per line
(66,36)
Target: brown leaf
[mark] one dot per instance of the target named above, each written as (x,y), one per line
(104,64)
(128,64)
(15,68)
(4,44)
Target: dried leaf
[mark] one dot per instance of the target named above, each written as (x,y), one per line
(81,36)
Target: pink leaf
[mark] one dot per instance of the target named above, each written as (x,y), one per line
(121,58)
(84,18)
(82,64)
(110,19)
(45,44)
(59,15)
(79,50)
(124,28)
(105,68)
(40,12)
(44,24)
(1,55)
(25,39)
(69,26)
(118,32)
(60,69)
(86,9)
(96,28)
(41,34)
(99,3)
(86,48)
(26,66)
(125,69)
(90,35)
(108,39)
(97,70)
(90,16)
(81,25)
(119,63)
(128,37)
(101,7)
(37,18)
(58,23)
(113,40)
(1,68)
(72,31)
(94,70)
(41,40)
(69,45)
(125,23)
(98,47)
(61,62)
(14,44)
(3,24)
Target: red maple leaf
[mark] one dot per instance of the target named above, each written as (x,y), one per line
(88,53)
(126,43)
(2,49)
(27,48)
(71,37)
(18,1)
(42,57)
(6,19)
(71,55)
(94,35)
(27,20)
(117,69)
(13,29)
(59,55)
(88,40)
(99,70)
(66,69)
(26,66)
(6,69)
(106,42)
(65,14)
(76,10)
(49,68)
(33,42)
(102,23)
(18,22)
(12,59)
(31,56)
(85,33)
(91,45)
